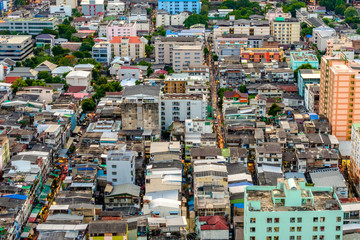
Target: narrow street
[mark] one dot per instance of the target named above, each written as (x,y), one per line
(214,99)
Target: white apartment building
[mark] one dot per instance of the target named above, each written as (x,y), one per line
(321,35)
(61,10)
(243,26)
(120,166)
(164,47)
(72,3)
(163,18)
(115,7)
(198,126)
(355,154)
(78,78)
(185,56)
(179,107)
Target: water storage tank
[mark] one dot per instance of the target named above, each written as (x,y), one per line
(292,184)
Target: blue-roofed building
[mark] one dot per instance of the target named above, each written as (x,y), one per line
(178,6)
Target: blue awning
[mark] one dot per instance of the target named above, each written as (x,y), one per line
(239,205)
(156,213)
(174,212)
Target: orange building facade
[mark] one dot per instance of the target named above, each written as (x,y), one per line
(340,94)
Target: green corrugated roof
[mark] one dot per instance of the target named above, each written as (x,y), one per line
(225,152)
(241,200)
(280,19)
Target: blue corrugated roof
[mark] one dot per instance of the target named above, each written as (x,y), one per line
(16,196)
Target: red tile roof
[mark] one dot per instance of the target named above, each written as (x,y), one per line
(11,79)
(76,89)
(131,39)
(125,67)
(161,72)
(214,223)
(289,88)
(232,93)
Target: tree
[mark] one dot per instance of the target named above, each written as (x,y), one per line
(45,76)
(292,6)
(351,12)
(88,105)
(196,19)
(137,82)
(78,54)
(68,60)
(274,110)
(162,76)
(303,25)
(329,4)
(59,51)
(326,21)
(149,11)
(220,94)
(230,4)
(206,51)
(358,31)
(303,66)
(215,57)
(340,9)
(149,50)
(241,14)
(149,71)
(242,88)
(50,31)
(160,31)
(306,31)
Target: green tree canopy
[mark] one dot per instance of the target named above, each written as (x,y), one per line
(340,9)
(88,105)
(351,12)
(303,66)
(196,19)
(291,7)
(59,51)
(274,110)
(329,4)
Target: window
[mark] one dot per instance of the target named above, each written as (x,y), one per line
(338,219)
(299,219)
(252,238)
(252,220)
(269,220)
(114,180)
(298,238)
(338,228)
(337,237)
(276,220)
(269,229)
(298,229)
(113,166)
(292,238)
(292,220)
(276,229)
(268,238)
(322,237)
(315,237)
(292,229)
(113,173)
(315,219)
(252,229)
(315,229)
(322,219)
(322,228)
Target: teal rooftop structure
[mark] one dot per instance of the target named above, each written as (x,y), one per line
(299,58)
(292,210)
